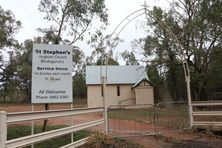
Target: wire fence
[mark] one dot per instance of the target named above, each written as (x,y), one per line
(171,116)
(135,120)
(131,120)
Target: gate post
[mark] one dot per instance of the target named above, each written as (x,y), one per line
(3,129)
(190,108)
(104,81)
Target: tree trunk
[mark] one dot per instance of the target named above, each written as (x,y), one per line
(172,76)
(4,98)
(46,120)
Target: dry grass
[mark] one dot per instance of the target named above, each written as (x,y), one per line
(172,116)
(99,140)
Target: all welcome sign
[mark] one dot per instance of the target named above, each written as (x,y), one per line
(51,73)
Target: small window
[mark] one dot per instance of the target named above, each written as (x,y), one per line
(118,91)
(102,91)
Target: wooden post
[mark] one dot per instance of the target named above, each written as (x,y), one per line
(3,129)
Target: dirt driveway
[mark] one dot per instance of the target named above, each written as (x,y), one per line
(167,138)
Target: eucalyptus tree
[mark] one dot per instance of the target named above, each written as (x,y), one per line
(79,86)
(196,23)
(214,83)
(71,18)
(8,79)
(200,22)
(9,26)
(103,47)
(129,58)
(17,73)
(160,49)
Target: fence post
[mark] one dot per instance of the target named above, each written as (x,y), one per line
(3,129)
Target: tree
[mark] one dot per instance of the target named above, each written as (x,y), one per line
(157,82)
(111,61)
(79,86)
(24,58)
(103,46)
(78,60)
(196,25)
(9,26)
(214,83)
(130,58)
(17,72)
(8,79)
(202,32)
(161,49)
(71,18)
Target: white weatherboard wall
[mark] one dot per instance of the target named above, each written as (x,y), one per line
(95,98)
(131,80)
(51,73)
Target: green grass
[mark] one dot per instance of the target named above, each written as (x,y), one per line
(20,131)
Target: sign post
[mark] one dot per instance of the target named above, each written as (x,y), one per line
(52,73)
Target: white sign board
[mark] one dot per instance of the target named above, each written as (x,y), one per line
(51,73)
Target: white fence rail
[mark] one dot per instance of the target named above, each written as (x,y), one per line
(205,113)
(30,116)
(76,143)
(207,103)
